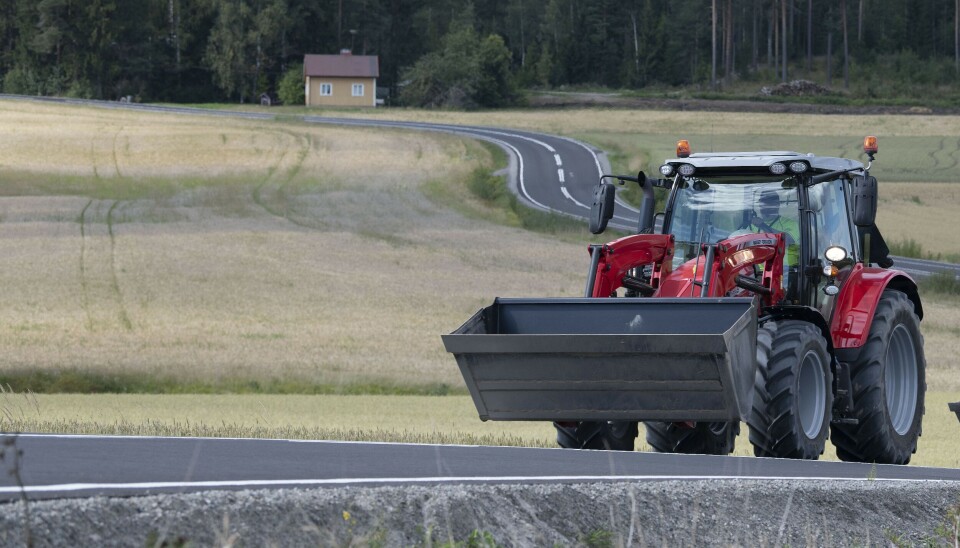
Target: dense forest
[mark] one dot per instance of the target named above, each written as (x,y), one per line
(214,50)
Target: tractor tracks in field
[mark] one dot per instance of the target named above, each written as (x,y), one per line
(280,178)
(84,282)
(951,161)
(99,274)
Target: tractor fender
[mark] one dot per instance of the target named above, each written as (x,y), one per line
(803,313)
(857,302)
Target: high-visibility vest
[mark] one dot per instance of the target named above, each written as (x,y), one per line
(790,227)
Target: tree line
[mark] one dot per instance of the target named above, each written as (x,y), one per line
(470,52)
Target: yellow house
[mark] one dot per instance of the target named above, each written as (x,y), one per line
(341,80)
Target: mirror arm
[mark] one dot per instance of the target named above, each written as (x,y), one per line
(832,175)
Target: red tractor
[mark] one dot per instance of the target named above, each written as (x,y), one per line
(761,294)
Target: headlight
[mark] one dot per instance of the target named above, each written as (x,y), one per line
(686,170)
(666,170)
(835,254)
(799,167)
(778,168)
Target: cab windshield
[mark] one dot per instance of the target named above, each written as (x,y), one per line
(711,209)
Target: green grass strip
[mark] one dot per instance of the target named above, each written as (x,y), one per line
(75,381)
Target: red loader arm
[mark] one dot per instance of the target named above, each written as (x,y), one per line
(731,259)
(745,251)
(619,256)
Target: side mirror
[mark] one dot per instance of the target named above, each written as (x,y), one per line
(602,210)
(864,200)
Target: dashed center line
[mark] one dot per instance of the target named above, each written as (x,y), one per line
(557,158)
(560,174)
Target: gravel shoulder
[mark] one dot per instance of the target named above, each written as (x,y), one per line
(669,513)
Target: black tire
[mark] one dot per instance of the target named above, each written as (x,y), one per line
(889,385)
(612,435)
(704,438)
(793,393)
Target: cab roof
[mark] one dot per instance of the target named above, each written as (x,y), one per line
(732,160)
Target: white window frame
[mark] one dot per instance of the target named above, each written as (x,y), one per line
(355,88)
(326,87)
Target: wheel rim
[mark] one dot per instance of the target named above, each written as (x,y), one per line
(812,394)
(900,379)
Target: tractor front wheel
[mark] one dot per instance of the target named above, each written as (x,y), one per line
(889,384)
(703,438)
(793,393)
(609,435)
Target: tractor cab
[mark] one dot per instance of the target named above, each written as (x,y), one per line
(718,196)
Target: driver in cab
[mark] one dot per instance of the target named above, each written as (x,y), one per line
(769,219)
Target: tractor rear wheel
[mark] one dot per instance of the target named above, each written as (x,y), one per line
(793,393)
(609,435)
(703,438)
(889,383)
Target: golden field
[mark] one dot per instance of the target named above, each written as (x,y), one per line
(213,250)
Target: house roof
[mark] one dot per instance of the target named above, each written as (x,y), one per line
(343,65)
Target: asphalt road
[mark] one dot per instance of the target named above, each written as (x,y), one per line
(53,466)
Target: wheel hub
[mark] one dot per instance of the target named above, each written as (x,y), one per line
(812,392)
(900,379)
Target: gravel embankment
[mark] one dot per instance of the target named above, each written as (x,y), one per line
(669,513)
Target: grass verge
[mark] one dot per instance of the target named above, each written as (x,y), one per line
(909,247)
(941,283)
(411,419)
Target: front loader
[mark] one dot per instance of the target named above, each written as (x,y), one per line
(755,298)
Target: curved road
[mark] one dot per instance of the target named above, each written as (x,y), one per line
(552,173)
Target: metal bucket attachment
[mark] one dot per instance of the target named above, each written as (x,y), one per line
(955,407)
(610,359)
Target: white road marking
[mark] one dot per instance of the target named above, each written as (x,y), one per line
(560,174)
(557,158)
(434,480)
(572,199)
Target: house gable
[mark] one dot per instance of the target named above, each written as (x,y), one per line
(341,80)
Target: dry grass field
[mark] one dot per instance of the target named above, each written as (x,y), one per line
(227,251)
(218,254)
